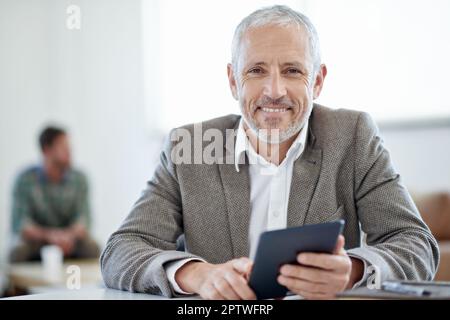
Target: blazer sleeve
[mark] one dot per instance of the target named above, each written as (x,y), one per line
(399,243)
(135,255)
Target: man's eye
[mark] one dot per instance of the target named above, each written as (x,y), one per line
(255,70)
(293,71)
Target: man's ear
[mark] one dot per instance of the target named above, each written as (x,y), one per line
(47,152)
(232,81)
(320,78)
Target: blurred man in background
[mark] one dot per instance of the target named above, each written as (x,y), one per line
(50,204)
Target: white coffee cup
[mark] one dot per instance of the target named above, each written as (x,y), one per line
(52,262)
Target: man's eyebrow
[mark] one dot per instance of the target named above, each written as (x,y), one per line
(259,63)
(297,64)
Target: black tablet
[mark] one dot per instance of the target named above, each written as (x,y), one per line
(279,247)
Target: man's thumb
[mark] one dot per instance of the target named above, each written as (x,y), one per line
(339,244)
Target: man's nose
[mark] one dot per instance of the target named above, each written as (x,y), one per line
(275,87)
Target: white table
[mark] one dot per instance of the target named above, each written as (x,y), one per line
(32,274)
(93,293)
(101,293)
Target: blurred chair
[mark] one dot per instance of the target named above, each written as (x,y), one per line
(435,211)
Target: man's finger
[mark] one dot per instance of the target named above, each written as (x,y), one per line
(211,293)
(306,273)
(240,286)
(295,285)
(322,260)
(225,289)
(243,265)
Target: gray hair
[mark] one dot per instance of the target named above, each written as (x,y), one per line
(276,15)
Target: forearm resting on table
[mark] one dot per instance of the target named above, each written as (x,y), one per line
(187,275)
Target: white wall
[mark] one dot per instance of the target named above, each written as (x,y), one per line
(389,58)
(421,156)
(88,80)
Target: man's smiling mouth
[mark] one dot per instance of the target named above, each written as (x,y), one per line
(274,109)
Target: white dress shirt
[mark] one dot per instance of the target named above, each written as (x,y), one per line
(269,192)
(270,185)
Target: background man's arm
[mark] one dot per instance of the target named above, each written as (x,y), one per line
(22,222)
(79,229)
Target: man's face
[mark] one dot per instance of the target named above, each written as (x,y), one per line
(59,152)
(274,83)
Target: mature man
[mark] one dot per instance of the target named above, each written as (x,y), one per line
(50,204)
(295,163)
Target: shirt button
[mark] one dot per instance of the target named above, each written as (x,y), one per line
(276,213)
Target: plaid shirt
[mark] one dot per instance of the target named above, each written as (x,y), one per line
(39,201)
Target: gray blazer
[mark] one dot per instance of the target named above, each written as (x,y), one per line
(344,173)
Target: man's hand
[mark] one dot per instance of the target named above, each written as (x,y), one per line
(62,239)
(322,275)
(31,232)
(217,281)
(65,238)
(77,231)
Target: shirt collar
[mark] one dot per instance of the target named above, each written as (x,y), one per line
(243,144)
(43,178)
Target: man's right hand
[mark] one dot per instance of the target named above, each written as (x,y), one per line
(226,281)
(62,239)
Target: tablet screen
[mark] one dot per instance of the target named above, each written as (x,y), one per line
(279,247)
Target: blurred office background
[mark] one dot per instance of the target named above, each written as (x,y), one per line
(137,68)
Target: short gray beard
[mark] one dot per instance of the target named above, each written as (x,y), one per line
(276,136)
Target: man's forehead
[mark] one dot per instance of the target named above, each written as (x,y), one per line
(293,35)
(288,43)
(279,44)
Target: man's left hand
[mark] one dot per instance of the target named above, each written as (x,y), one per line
(62,239)
(322,275)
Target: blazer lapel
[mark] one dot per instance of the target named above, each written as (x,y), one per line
(305,176)
(236,186)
